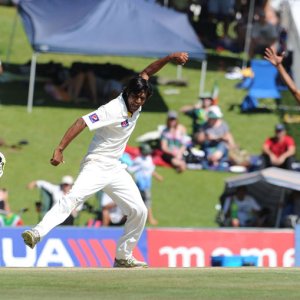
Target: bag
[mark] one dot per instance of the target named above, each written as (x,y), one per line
(239,157)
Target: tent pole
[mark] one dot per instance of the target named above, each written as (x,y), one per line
(202,77)
(248,33)
(31,82)
(11,38)
(179,72)
(280,205)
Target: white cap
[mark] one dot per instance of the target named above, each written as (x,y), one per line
(67,180)
(214,112)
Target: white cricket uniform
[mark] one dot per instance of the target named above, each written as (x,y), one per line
(101,169)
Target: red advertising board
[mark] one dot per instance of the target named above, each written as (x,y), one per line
(194,247)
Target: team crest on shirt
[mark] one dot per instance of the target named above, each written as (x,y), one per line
(125,123)
(94,118)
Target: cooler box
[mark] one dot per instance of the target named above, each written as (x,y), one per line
(234,261)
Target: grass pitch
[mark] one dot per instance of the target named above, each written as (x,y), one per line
(204,283)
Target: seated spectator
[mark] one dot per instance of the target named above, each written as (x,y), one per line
(143,169)
(264,34)
(173,142)
(279,150)
(241,209)
(215,138)
(111,213)
(56,192)
(198,112)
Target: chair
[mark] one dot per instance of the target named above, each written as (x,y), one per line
(263,85)
(264,81)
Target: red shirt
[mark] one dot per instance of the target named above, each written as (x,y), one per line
(280,147)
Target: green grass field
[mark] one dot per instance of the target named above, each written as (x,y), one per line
(185,200)
(209,283)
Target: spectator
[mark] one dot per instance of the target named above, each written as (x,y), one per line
(173,142)
(2,162)
(222,10)
(1,68)
(215,138)
(291,210)
(241,209)
(4,205)
(55,191)
(143,169)
(279,150)
(198,112)
(8,218)
(264,34)
(111,213)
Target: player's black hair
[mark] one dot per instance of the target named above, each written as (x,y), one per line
(137,85)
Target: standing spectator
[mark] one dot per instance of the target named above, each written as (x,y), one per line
(2,162)
(279,150)
(264,34)
(173,142)
(241,209)
(7,217)
(1,68)
(198,112)
(222,10)
(4,205)
(215,138)
(55,191)
(143,169)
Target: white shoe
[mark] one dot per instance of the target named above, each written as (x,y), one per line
(129,263)
(31,237)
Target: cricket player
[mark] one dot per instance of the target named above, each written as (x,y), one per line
(101,168)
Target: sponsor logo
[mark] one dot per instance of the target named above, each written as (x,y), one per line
(65,248)
(125,123)
(195,248)
(94,118)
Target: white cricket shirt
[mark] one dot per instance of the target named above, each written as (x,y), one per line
(113,125)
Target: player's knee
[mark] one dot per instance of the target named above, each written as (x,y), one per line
(143,211)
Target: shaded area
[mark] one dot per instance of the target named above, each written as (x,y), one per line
(14,85)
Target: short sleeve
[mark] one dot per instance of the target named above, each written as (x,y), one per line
(97,119)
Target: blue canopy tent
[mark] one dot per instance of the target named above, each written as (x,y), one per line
(106,27)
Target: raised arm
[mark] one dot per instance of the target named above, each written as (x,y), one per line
(179,58)
(276,60)
(68,137)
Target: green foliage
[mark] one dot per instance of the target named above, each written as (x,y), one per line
(186,199)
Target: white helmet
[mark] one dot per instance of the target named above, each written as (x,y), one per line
(2,163)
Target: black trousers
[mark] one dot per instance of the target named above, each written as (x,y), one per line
(287,164)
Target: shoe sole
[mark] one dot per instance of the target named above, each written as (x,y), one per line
(131,267)
(28,240)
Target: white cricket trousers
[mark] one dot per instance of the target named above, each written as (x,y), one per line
(120,186)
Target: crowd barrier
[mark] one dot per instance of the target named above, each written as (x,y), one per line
(160,247)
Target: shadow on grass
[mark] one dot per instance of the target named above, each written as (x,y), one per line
(216,63)
(15,92)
